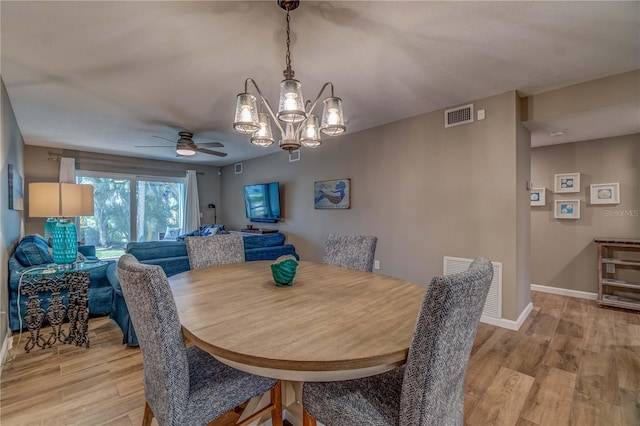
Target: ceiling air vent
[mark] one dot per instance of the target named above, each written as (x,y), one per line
(458,115)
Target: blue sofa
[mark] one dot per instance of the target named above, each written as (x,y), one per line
(172,257)
(33,251)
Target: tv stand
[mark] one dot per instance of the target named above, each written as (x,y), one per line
(259,231)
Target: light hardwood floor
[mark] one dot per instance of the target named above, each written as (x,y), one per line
(571,363)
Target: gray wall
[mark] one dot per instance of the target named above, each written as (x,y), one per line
(563,253)
(39,168)
(423,190)
(11,220)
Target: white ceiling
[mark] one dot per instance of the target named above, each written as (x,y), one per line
(105,76)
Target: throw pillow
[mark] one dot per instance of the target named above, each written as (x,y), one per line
(33,250)
(209,231)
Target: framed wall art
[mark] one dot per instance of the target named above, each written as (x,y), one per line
(567,209)
(15,193)
(332,194)
(567,182)
(605,193)
(538,197)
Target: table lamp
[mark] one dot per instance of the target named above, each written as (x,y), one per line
(61,200)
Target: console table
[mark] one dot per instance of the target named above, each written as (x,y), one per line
(619,272)
(258,231)
(47,285)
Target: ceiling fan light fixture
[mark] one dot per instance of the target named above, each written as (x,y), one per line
(186,151)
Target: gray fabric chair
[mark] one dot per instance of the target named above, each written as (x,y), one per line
(182,386)
(215,250)
(429,389)
(350,251)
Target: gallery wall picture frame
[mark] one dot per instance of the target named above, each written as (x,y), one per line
(567,182)
(566,209)
(605,193)
(237,168)
(538,197)
(332,194)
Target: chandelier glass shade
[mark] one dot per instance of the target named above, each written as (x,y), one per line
(263,137)
(295,119)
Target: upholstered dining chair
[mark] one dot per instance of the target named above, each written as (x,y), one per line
(182,386)
(215,250)
(428,389)
(350,251)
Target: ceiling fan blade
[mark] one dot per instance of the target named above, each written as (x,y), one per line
(211,144)
(151,146)
(160,137)
(209,151)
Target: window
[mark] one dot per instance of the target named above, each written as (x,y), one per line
(149,208)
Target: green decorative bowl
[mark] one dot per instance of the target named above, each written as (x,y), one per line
(283,269)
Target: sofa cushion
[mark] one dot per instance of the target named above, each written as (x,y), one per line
(33,250)
(156,249)
(261,241)
(270,253)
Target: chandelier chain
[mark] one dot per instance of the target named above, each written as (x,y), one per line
(288,58)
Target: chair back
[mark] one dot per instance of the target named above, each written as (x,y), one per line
(351,251)
(215,250)
(155,318)
(434,378)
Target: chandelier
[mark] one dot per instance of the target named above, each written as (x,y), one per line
(301,126)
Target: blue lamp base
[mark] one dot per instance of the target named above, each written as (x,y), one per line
(64,242)
(48,228)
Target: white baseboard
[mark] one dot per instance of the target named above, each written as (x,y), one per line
(4,352)
(565,292)
(509,324)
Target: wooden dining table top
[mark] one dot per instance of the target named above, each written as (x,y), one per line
(332,319)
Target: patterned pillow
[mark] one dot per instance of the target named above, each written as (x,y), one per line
(207,231)
(199,232)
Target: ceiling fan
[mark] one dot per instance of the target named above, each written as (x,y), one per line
(185,146)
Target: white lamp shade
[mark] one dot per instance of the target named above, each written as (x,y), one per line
(54,199)
(77,200)
(44,199)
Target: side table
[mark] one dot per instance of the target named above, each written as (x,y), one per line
(47,285)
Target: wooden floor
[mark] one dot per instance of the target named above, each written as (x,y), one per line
(571,363)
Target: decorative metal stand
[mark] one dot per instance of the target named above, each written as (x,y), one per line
(35,286)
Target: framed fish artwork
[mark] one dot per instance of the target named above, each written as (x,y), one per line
(332,194)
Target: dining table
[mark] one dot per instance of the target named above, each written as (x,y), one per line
(332,323)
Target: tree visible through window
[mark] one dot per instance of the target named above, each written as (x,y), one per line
(158,207)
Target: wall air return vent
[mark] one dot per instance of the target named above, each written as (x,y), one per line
(493,305)
(458,115)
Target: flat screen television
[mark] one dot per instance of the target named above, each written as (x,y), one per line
(262,202)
